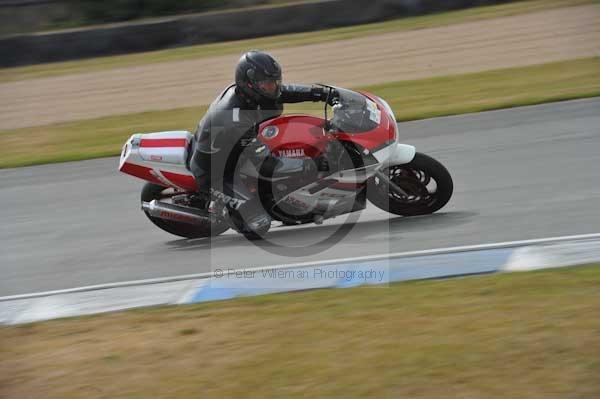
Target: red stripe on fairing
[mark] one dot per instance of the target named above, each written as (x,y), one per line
(347,186)
(163,143)
(187,182)
(140,171)
(184,181)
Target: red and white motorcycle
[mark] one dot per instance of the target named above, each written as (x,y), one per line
(356,153)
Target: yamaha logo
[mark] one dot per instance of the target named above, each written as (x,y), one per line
(270,131)
(292,153)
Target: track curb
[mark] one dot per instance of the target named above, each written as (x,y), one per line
(221,284)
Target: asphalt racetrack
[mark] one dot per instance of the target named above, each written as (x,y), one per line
(521,173)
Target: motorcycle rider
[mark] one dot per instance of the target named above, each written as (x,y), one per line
(229,129)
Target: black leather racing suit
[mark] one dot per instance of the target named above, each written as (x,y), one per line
(229,126)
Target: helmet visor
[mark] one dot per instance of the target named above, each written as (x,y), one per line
(270,88)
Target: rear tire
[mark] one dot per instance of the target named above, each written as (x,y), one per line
(417,179)
(154,192)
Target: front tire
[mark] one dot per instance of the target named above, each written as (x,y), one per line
(426,181)
(156,192)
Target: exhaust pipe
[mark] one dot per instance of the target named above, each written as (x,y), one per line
(175,213)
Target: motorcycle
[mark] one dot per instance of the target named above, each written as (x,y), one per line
(356,155)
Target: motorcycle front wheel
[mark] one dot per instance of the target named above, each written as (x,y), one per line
(425,183)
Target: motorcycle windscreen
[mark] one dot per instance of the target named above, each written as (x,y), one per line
(355,113)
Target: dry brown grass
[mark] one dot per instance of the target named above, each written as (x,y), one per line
(533,335)
(513,41)
(284,41)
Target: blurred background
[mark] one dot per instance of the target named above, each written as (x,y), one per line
(24,16)
(186,25)
(77,78)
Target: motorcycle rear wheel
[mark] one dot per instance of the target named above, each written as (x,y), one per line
(426,181)
(156,192)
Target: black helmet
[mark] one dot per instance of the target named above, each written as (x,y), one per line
(258,76)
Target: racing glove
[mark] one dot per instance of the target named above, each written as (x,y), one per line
(324,94)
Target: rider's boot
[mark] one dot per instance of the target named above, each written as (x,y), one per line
(250,219)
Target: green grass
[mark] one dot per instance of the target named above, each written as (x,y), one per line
(410,99)
(283,41)
(503,88)
(521,335)
(87,139)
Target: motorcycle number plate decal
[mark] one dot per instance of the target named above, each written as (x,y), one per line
(374,112)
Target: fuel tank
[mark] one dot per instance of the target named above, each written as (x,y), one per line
(303,136)
(294,136)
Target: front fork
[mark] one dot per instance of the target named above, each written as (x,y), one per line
(396,189)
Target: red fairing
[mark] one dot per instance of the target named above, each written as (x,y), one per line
(305,133)
(140,171)
(374,139)
(157,143)
(294,132)
(186,182)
